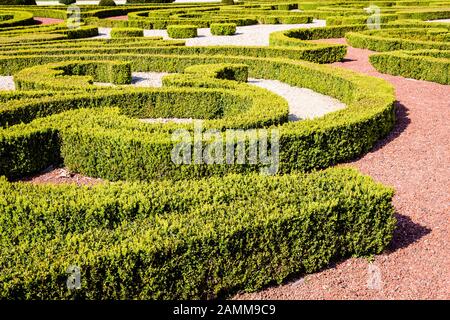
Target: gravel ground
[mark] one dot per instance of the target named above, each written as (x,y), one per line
(414,159)
(7,83)
(256,35)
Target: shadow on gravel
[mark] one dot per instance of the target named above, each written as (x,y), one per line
(406,233)
(401,123)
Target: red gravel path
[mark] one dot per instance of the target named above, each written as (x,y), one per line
(44,21)
(415,159)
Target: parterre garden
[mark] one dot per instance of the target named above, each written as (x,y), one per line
(160,230)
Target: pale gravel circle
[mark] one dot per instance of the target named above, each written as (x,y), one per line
(255,35)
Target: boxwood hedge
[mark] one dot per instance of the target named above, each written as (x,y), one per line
(223,29)
(184,240)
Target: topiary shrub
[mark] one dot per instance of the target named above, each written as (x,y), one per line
(107,3)
(182,31)
(67,2)
(227,71)
(126,32)
(223,29)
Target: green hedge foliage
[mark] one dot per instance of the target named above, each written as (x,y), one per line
(67,2)
(185,240)
(401,39)
(223,29)
(430,65)
(126,32)
(18,2)
(182,31)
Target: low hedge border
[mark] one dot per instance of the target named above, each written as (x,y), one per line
(19,18)
(182,31)
(12,59)
(430,65)
(176,241)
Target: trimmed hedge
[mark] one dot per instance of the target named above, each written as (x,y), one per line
(20,18)
(73,75)
(107,3)
(223,29)
(430,65)
(400,39)
(182,31)
(191,239)
(67,2)
(126,32)
(305,145)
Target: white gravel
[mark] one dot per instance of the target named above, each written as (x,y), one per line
(7,83)
(256,35)
(303,103)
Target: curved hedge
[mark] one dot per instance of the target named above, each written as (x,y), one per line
(430,65)
(401,39)
(182,31)
(126,32)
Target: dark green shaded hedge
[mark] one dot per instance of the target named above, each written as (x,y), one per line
(223,29)
(304,145)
